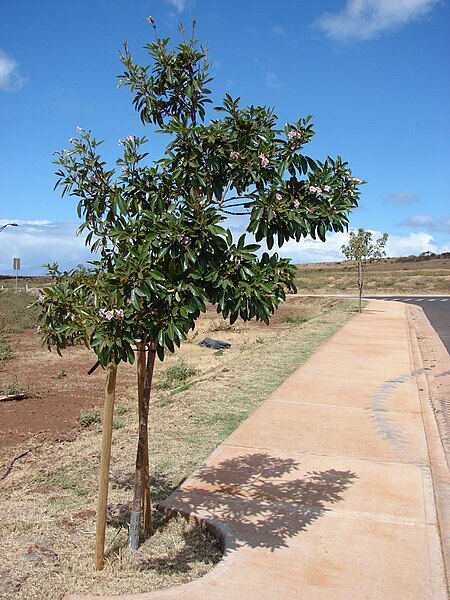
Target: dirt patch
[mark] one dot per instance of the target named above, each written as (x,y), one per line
(59,389)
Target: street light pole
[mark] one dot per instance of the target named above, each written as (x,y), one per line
(12,225)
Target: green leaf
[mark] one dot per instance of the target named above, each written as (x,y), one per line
(134,300)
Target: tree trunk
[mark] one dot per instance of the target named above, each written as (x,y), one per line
(141,500)
(360,283)
(110,392)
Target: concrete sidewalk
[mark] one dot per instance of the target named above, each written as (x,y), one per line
(328,490)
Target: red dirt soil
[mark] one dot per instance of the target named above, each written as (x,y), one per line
(59,389)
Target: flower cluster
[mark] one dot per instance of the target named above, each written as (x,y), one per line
(264,160)
(94,178)
(296,203)
(315,189)
(295,134)
(234,155)
(110,314)
(357,181)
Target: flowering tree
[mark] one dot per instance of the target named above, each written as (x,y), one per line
(362,248)
(157,229)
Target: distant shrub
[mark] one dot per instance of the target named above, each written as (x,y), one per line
(90,417)
(179,372)
(13,388)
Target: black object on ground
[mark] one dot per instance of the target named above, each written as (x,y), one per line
(216,344)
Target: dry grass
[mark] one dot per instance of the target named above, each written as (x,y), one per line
(48,500)
(387,276)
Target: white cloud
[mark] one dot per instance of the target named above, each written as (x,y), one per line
(178,4)
(402,198)
(312,251)
(367,19)
(272,80)
(20,222)
(308,250)
(10,76)
(428,223)
(39,242)
(413,243)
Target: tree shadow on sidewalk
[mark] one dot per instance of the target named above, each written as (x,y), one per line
(258,497)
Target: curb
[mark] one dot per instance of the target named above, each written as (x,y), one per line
(438,453)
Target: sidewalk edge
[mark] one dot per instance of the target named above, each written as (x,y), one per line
(436,451)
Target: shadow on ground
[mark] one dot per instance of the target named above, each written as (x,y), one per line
(258,497)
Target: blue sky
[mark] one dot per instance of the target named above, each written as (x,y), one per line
(373,73)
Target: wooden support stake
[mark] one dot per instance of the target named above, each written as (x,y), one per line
(110,392)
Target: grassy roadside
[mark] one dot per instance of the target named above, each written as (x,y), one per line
(387,276)
(15,317)
(49,498)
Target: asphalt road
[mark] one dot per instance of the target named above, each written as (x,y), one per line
(436,309)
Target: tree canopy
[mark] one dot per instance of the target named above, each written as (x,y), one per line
(162,251)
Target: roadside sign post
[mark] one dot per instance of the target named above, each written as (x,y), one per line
(16,267)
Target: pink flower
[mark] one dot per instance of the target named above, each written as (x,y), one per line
(278,196)
(119,313)
(264,160)
(41,298)
(315,189)
(102,313)
(185,240)
(38,328)
(130,138)
(234,155)
(80,129)
(327,188)
(296,203)
(124,171)
(109,315)
(294,134)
